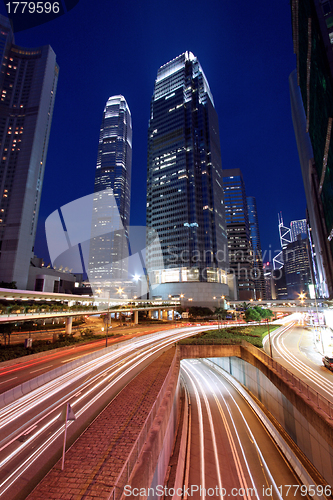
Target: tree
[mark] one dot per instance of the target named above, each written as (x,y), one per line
(5,331)
(251,315)
(264,313)
(221,312)
(5,284)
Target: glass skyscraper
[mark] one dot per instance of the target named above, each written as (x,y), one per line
(28,82)
(111,208)
(238,227)
(185,202)
(114,160)
(258,273)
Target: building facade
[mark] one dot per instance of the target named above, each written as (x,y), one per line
(185,202)
(238,230)
(28,82)
(298,227)
(297,267)
(311,88)
(258,273)
(114,159)
(109,250)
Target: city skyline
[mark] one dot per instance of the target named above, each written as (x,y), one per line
(250,87)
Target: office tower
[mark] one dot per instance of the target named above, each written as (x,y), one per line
(297,267)
(258,274)
(28,82)
(238,229)
(269,280)
(285,239)
(292,271)
(311,89)
(109,252)
(114,160)
(298,227)
(184,186)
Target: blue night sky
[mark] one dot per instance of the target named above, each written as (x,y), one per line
(105,48)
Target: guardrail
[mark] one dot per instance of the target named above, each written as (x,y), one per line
(133,456)
(311,394)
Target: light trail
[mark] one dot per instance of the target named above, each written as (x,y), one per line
(201,432)
(255,474)
(304,369)
(123,359)
(27,402)
(263,461)
(237,461)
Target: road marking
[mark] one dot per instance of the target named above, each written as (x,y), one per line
(71,359)
(7,380)
(39,369)
(28,431)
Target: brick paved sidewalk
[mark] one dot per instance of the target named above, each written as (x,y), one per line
(94,461)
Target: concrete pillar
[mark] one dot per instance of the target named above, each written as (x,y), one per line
(69,322)
(172,315)
(165,314)
(136,317)
(150,313)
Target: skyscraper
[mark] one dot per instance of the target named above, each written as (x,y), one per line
(258,273)
(28,82)
(109,252)
(298,227)
(297,267)
(238,228)
(114,160)
(185,202)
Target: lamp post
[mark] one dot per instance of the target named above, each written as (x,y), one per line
(269,338)
(107,326)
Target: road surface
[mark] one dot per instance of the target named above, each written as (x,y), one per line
(231,453)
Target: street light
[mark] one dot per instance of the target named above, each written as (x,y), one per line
(301,297)
(269,338)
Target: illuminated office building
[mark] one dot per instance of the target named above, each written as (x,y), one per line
(185,202)
(114,160)
(109,252)
(298,227)
(238,228)
(258,273)
(28,81)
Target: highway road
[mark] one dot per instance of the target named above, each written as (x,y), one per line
(231,453)
(294,348)
(26,368)
(30,429)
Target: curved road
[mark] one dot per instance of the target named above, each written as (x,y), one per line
(231,453)
(293,347)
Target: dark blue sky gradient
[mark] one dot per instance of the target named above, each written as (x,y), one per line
(105,48)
